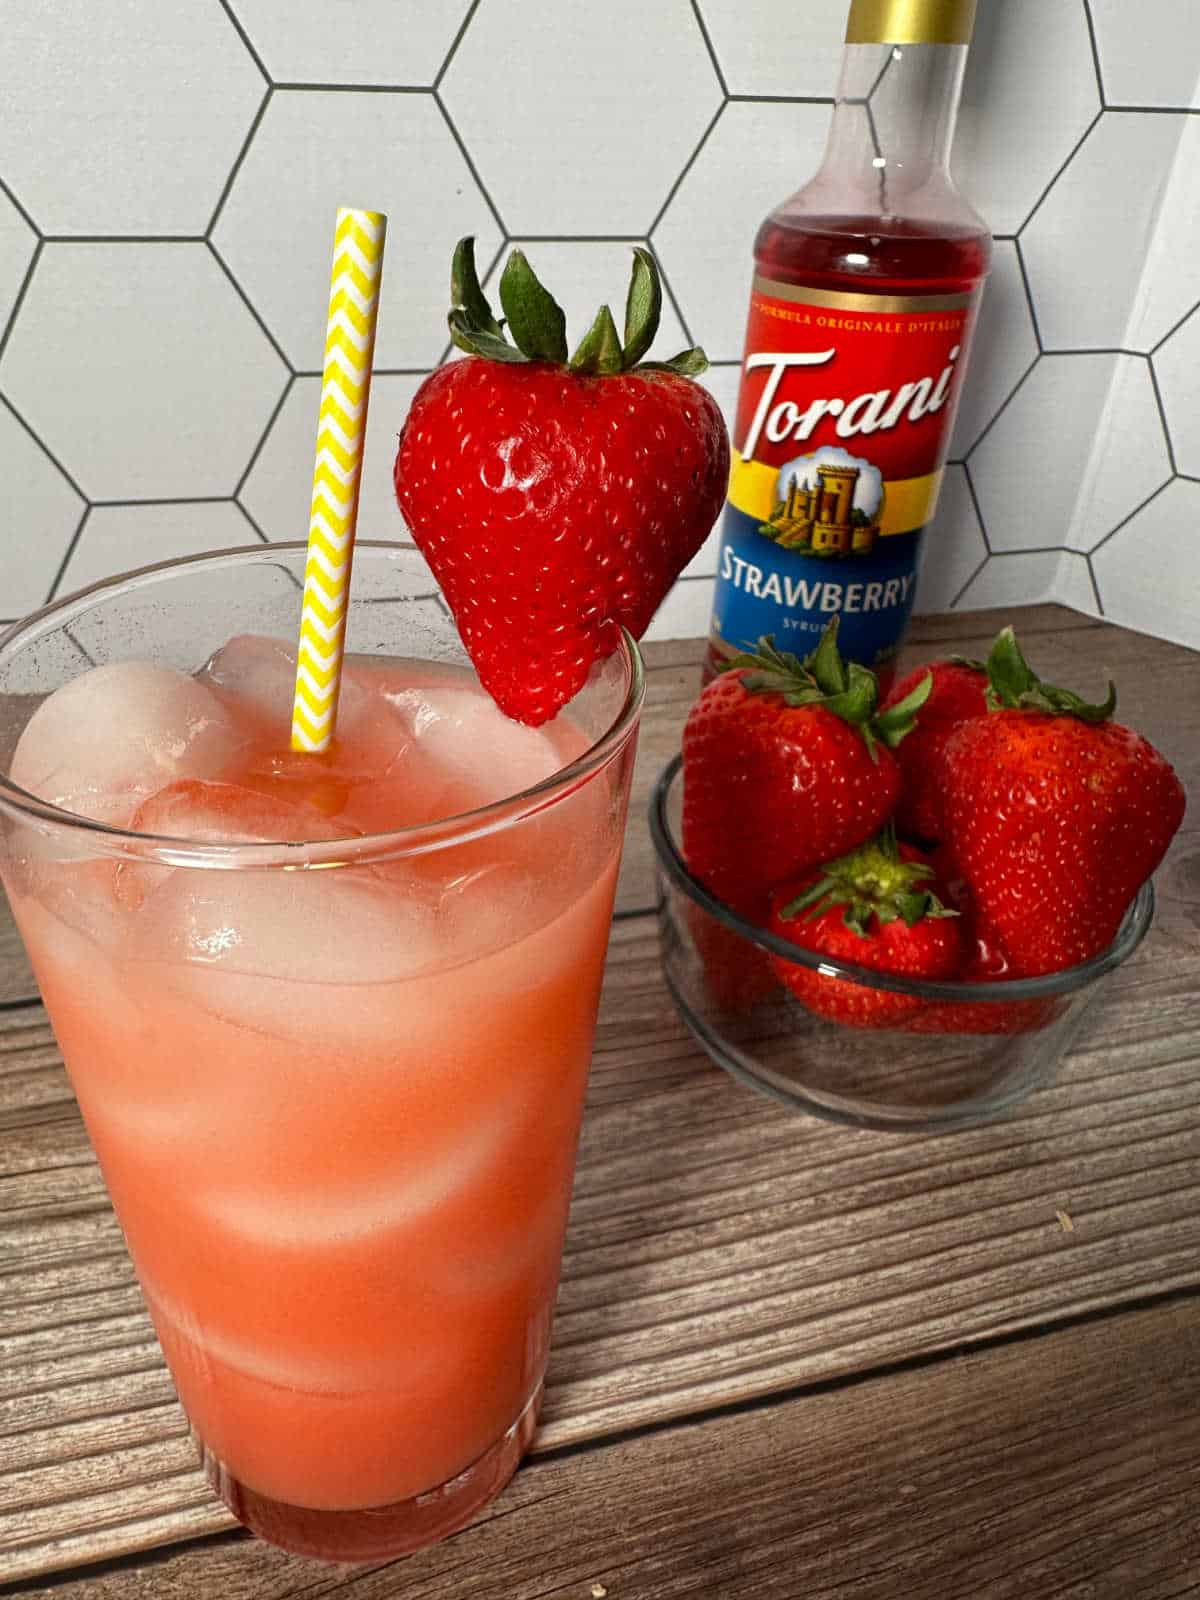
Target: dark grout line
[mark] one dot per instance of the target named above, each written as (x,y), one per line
(881,178)
(687,167)
(6,189)
(487,277)
(1174,328)
(42,446)
(1033,316)
(1155,111)
(265,435)
(1078,146)
(1094,350)
(882,73)
(1112,532)
(470,164)
(577,238)
(1091,571)
(454,44)
(1162,415)
(670,292)
(163,500)
(1091,28)
(227,188)
(954,602)
(1003,407)
(782,99)
(82,648)
(227,8)
(1155,1300)
(253,523)
(987,543)
(34,258)
(376,372)
(1033,550)
(353,88)
(72,546)
(710,47)
(123,238)
(250,307)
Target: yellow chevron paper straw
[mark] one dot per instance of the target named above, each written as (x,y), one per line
(345,388)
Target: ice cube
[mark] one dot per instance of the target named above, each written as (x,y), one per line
(216,813)
(257,675)
(213,813)
(490,907)
(477,753)
(100,744)
(310,956)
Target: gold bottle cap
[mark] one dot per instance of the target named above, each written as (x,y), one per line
(910,22)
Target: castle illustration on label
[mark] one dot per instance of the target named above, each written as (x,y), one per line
(828,504)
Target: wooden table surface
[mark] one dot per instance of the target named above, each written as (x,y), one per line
(790,1359)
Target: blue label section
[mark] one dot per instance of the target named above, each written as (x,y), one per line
(764,588)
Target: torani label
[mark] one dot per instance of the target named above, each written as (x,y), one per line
(842,427)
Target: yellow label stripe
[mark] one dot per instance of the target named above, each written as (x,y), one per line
(908,503)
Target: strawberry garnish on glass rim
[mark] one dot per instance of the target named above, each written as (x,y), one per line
(556,497)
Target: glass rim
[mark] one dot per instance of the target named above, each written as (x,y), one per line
(396,844)
(1133,930)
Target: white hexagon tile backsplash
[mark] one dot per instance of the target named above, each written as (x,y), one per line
(168,175)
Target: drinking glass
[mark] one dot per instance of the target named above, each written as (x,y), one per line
(334,1087)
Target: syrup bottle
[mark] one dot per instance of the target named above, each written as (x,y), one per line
(866,289)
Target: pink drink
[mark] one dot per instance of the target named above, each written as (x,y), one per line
(336,1109)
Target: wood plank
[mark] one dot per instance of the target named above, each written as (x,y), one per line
(17,983)
(1066,1467)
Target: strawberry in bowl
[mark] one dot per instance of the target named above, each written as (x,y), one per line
(556,496)
(1055,815)
(878,908)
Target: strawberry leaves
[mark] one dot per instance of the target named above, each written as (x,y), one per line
(535,318)
(823,678)
(465,293)
(872,883)
(537,326)
(1014,686)
(643,306)
(600,348)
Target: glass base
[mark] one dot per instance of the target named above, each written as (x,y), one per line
(380,1531)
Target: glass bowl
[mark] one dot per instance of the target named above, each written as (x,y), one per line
(953,1053)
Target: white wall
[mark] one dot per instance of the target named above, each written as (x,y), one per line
(168,175)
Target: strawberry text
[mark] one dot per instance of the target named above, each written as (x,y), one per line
(815,594)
